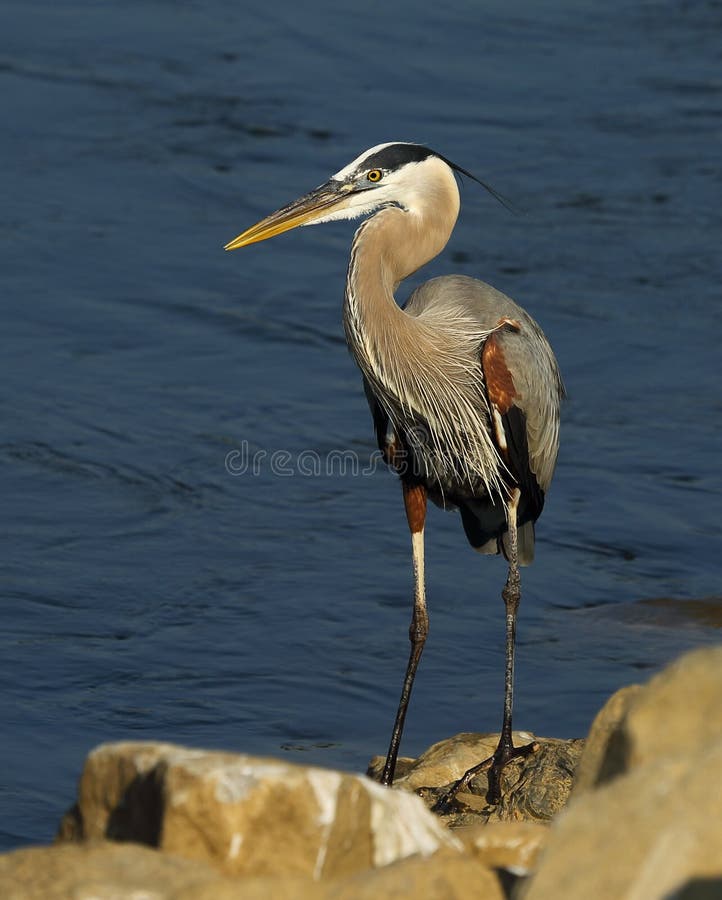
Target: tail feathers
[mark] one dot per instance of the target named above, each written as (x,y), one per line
(484,542)
(490,548)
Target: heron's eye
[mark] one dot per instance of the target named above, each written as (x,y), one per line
(374,175)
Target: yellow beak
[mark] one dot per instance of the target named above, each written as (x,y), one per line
(304,211)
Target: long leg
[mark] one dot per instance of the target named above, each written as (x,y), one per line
(415,503)
(505,750)
(511,594)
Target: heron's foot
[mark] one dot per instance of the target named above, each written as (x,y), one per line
(500,759)
(447,802)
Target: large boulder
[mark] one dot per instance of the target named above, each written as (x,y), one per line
(444,876)
(604,747)
(107,871)
(112,871)
(248,815)
(677,713)
(645,820)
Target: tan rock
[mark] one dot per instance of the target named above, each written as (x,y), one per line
(515,846)
(102,871)
(444,761)
(106,870)
(603,749)
(678,711)
(640,837)
(376,766)
(112,871)
(444,876)
(246,814)
(675,712)
(534,788)
(278,887)
(646,821)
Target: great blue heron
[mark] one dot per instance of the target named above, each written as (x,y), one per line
(463,386)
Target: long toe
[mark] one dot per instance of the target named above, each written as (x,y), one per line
(502,757)
(448,800)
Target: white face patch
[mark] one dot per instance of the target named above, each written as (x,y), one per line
(414,186)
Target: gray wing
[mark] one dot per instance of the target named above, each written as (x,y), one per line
(524,392)
(528,356)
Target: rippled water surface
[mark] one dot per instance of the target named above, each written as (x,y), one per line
(148,593)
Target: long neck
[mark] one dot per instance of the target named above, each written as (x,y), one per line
(387,248)
(424,370)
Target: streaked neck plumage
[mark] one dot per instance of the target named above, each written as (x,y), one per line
(386,249)
(412,362)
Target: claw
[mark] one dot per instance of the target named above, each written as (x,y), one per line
(447,802)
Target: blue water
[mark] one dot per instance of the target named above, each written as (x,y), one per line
(147,592)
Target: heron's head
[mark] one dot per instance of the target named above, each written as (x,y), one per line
(408,176)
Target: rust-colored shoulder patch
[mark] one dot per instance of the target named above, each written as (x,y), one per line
(499,382)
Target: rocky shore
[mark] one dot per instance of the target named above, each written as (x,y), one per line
(633,811)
